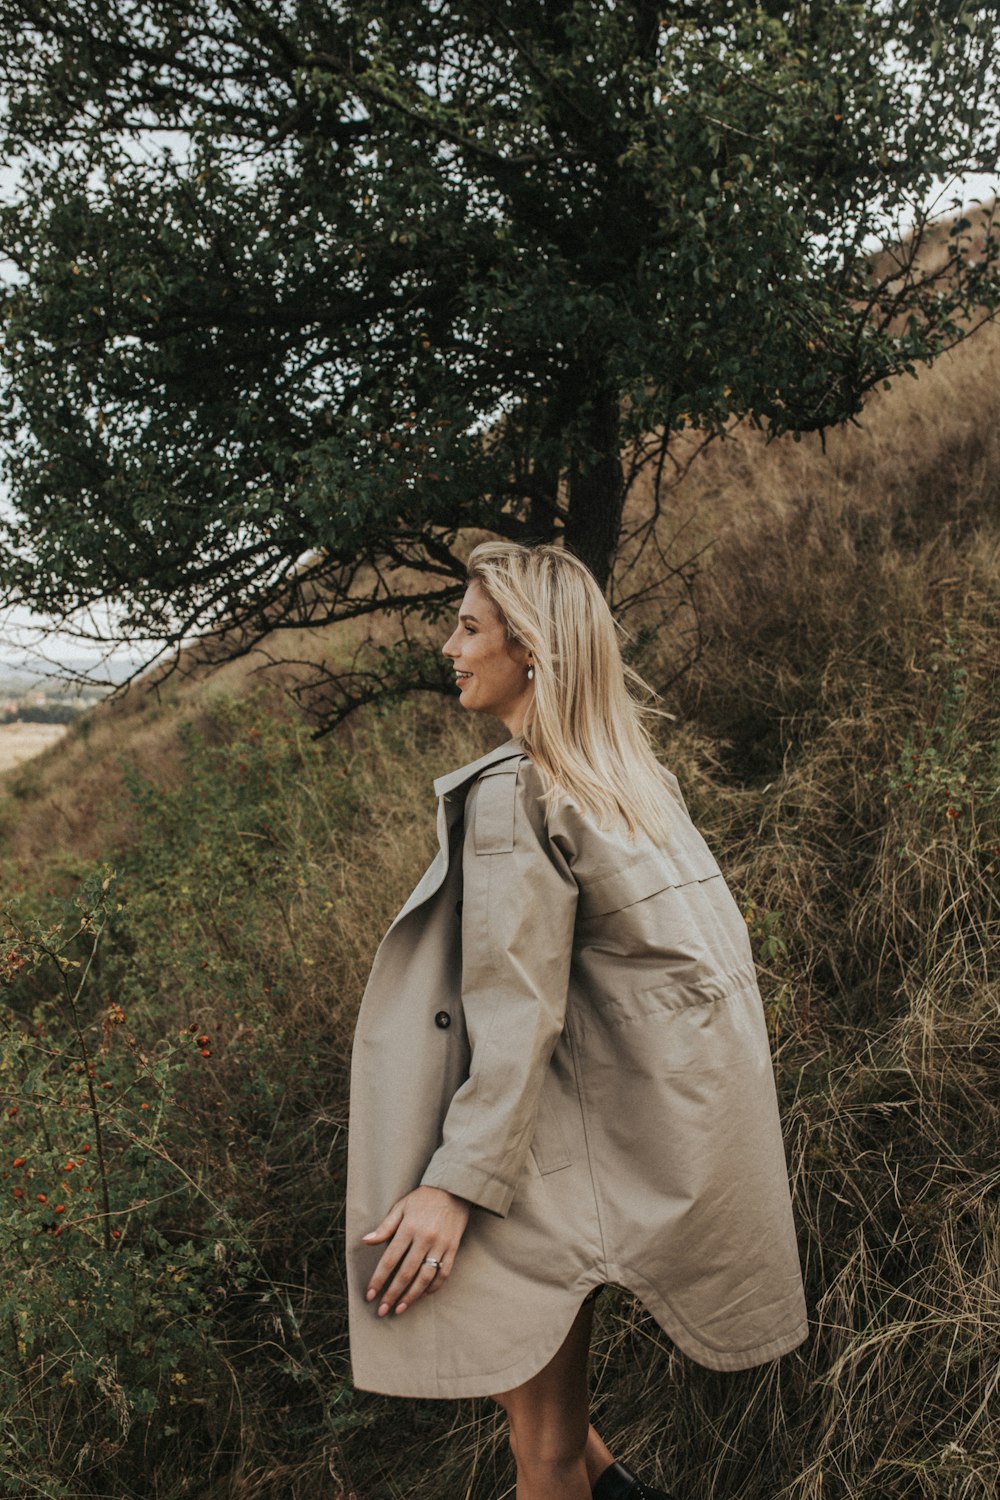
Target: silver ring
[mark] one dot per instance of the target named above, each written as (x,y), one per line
(430,1261)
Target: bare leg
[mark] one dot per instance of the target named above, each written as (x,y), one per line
(597,1457)
(558,1454)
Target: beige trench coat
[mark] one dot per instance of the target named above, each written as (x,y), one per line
(564,1027)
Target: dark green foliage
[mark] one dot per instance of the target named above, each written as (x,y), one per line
(109,1295)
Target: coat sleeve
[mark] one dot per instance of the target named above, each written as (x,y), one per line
(518,913)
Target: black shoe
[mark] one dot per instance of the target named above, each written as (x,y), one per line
(619,1483)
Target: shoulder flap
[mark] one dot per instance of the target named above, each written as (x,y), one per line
(493,814)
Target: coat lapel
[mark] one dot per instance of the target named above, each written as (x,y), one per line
(445,784)
(448,811)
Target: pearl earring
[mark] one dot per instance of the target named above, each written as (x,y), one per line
(531,674)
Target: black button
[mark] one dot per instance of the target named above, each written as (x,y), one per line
(442,1019)
(458,908)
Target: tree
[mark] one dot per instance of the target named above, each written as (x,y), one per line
(303,292)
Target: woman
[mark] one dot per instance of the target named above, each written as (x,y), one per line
(561,1074)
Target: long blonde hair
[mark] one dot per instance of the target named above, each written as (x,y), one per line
(583,728)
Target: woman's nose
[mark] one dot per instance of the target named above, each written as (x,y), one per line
(447,648)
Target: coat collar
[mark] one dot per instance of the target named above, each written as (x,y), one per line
(445,784)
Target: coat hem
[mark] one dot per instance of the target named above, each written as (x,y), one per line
(707,1355)
(492,1383)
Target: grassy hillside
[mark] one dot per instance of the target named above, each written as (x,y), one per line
(172,1313)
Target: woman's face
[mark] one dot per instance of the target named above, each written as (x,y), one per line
(491,671)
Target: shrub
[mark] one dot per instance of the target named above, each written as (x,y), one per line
(107,1311)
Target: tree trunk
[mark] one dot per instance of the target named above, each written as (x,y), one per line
(597,491)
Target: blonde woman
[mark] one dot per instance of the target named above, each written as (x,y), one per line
(561,1075)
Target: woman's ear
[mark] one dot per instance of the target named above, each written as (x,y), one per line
(519,652)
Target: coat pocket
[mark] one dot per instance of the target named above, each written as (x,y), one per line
(548,1144)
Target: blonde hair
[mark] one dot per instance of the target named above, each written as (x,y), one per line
(584,729)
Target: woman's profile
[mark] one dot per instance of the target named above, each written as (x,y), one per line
(561,1075)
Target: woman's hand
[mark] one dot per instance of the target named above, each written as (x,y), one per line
(427,1222)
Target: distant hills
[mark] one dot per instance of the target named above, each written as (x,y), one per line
(15,678)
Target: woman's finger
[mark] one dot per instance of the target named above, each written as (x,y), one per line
(388,1226)
(444,1271)
(405,1275)
(391,1257)
(422,1283)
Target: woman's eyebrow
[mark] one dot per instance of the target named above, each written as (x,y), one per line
(468,617)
